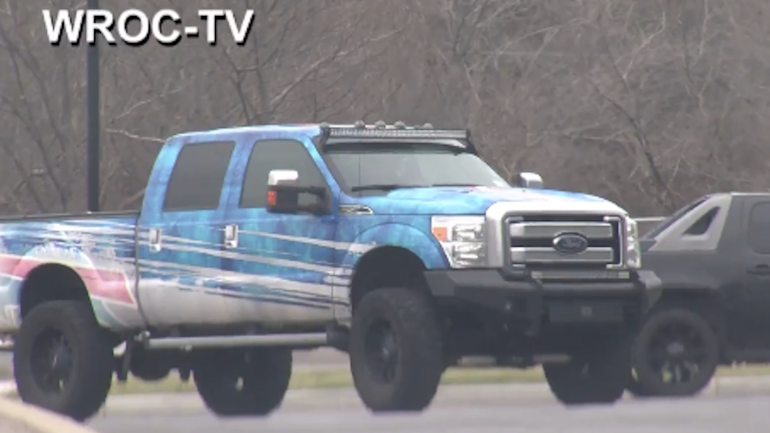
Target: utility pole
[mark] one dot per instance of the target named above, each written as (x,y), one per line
(94,128)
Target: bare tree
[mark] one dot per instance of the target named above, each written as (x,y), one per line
(646,102)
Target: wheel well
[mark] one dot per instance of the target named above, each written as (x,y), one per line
(51,282)
(701,301)
(386,267)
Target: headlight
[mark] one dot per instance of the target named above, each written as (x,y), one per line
(462,239)
(633,251)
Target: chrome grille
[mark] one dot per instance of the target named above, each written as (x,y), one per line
(532,241)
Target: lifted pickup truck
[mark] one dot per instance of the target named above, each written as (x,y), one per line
(713,258)
(396,244)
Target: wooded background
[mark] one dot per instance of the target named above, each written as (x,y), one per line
(649,103)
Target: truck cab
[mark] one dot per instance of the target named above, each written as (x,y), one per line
(396,244)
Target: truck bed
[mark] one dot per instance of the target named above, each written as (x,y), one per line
(99,247)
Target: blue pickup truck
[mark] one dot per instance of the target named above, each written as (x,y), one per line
(396,244)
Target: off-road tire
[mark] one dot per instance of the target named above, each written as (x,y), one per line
(649,383)
(597,376)
(92,359)
(420,363)
(243,382)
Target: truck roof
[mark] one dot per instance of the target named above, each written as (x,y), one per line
(749,194)
(359,130)
(310,129)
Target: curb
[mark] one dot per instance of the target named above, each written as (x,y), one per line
(7,388)
(39,419)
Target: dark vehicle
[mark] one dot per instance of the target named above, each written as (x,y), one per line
(713,258)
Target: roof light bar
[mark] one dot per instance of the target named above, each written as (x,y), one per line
(391,132)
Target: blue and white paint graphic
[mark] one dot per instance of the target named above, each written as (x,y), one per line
(285,268)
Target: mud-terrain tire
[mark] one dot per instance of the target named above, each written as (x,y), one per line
(243,382)
(63,359)
(396,350)
(680,341)
(595,376)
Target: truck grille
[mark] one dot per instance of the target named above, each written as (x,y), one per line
(565,241)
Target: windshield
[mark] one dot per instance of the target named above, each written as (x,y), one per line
(371,169)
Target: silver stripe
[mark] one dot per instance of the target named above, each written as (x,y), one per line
(547,229)
(549,255)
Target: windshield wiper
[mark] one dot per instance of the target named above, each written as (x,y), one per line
(453,184)
(383,187)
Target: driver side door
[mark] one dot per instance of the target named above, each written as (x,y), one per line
(281,262)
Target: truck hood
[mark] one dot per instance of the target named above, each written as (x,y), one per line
(476,201)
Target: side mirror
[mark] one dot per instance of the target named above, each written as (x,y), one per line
(529,180)
(283,194)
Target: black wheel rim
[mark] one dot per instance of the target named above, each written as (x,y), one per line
(381,351)
(52,361)
(677,353)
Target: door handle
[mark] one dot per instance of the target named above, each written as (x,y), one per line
(759,270)
(155,239)
(231,236)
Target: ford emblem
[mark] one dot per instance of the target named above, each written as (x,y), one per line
(570,243)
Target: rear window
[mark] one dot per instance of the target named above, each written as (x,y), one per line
(666,223)
(701,226)
(198,176)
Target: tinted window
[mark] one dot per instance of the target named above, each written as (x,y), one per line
(759,228)
(702,225)
(408,165)
(198,176)
(666,223)
(278,155)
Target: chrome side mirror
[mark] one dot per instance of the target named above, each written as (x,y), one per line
(529,180)
(282,177)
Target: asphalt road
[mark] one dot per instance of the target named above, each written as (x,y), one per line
(702,415)
(734,404)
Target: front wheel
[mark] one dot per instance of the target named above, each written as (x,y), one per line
(63,359)
(597,376)
(396,350)
(243,382)
(634,387)
(676,353)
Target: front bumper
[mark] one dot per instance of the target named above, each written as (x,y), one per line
(518,297)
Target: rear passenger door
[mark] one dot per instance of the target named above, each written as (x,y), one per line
(283,261)
(181,237)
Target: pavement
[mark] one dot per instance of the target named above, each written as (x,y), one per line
(449,396)
(725,406)
(700,415)
(13,426)
(728,403)
(17,417)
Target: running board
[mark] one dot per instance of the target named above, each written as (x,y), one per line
(273,340)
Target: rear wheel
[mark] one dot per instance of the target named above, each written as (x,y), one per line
(63,359)
(245,382)
(396,355)
(676,353)
(592,377)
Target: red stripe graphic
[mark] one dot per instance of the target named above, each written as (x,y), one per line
(109,284)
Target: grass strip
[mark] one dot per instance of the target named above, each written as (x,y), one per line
(326,379)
